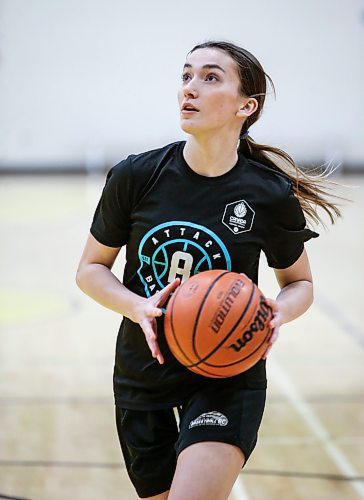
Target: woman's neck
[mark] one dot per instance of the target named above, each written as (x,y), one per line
(212,156)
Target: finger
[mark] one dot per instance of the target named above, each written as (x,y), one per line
(272,304)
(165,293)
(151,338)
(149,331)
(272,339)
(275,322)
(274,336)
(267,352)
(156,353)
(153,312)
(160,358)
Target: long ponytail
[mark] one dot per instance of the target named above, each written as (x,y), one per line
(312,188)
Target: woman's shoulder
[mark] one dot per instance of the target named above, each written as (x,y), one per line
(154,156)
(270,180)
(139,170)
(140,166)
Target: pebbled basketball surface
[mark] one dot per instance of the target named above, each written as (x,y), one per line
(216,323)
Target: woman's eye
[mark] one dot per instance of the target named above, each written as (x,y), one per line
(211,78)
(185,77)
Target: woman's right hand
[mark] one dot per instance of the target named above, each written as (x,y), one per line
(145,312)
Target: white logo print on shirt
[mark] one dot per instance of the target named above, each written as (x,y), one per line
(240,210)
(238,216)
(210,418)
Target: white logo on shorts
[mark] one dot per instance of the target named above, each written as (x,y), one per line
(210,418)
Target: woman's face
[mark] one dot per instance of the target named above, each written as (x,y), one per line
(210,84)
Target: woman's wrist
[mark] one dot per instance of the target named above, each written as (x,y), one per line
(132,306)
(293,300)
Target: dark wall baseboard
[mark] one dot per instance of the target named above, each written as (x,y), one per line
(51,170)
(353,170)
(77,169)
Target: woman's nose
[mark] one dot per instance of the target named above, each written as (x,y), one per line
(189,89)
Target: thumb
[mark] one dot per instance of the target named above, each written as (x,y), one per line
(165,293)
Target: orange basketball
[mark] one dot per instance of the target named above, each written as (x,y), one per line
(217,323)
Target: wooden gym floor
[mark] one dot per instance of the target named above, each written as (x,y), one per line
(57,435)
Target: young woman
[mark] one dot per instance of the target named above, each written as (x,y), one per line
(174,208)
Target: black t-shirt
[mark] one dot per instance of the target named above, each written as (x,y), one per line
(175,223)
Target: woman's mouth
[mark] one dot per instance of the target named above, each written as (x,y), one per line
(189,108)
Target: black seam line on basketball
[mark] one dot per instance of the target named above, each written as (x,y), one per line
(172,327)
(213,375)
(200,310)
(216,348)
(246,357)
(182,353)
(204,372)
(242,359)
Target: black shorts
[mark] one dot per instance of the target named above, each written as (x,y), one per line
(151,440)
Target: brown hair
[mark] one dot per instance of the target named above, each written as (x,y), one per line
(311,188)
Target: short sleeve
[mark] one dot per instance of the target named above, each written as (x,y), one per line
(111,221)
(287,233)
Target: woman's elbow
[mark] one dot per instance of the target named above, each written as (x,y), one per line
(310,294)
(80,277)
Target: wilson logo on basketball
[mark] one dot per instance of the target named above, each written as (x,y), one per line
(225,306)
(210,418)
(257,325)
(225,302)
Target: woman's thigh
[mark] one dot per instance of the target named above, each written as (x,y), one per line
(218,432)
(206,470)
(224,414)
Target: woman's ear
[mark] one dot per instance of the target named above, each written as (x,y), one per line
(248,107)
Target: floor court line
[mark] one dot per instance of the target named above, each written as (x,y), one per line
(274,399)
(287,387)
(340,319)
(239,491)
(121,465)
(302,475)
(7,497)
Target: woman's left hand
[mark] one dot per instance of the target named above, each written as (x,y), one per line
(274,324)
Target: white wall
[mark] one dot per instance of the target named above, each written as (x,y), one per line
(94,79)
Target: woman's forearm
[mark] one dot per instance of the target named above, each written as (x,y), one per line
(294,299)
(98,282)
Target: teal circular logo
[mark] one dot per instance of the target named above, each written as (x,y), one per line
(178,249)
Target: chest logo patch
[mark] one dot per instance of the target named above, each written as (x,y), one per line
(178,249)
(238,216)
